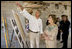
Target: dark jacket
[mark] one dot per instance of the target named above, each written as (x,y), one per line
(64,26)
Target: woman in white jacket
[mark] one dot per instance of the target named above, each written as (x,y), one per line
(50,32)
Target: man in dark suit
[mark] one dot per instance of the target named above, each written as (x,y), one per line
(64,28)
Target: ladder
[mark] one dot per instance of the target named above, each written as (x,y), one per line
(19,32)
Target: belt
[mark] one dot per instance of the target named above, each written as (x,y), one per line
(32,31)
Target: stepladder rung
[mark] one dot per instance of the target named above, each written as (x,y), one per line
(21,41)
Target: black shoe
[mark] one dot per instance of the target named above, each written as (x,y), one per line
(61,42)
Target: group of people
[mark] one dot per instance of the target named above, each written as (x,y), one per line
(63,28)
(52,31)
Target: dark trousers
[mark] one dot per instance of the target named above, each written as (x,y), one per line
(65,39)
(58,35)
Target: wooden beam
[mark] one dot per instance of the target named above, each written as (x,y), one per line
(33,6)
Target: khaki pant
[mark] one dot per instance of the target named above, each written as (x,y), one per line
(34,40)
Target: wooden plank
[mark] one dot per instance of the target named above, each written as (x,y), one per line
(22,19)
(18,23)
(21,31)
